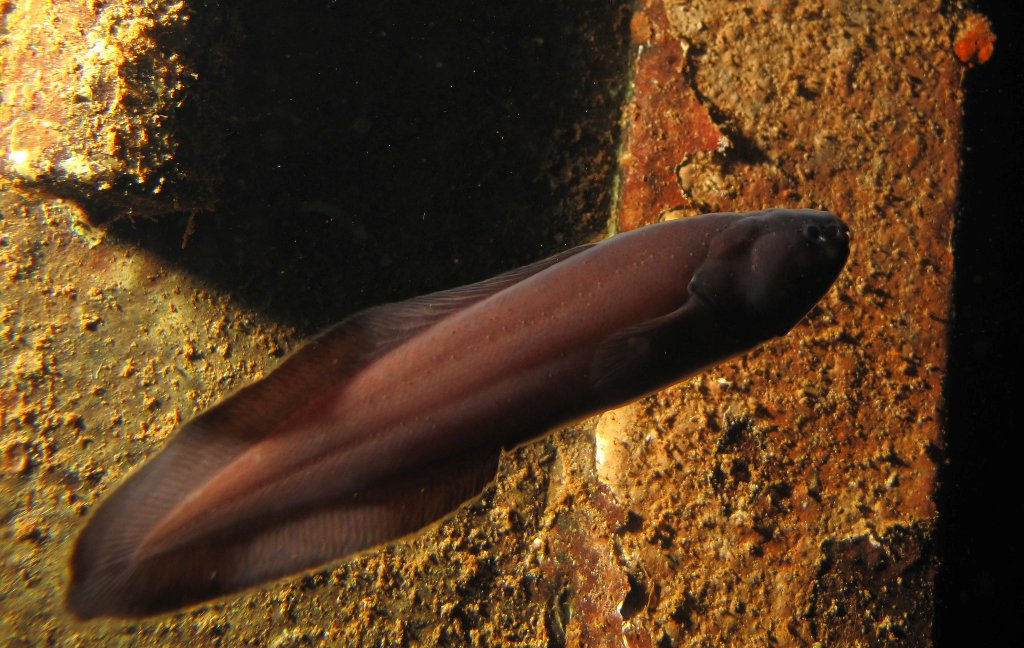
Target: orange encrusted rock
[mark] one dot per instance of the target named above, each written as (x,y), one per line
(103,104)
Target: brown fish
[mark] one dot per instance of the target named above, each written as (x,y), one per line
(395,416)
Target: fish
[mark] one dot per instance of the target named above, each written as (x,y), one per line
(391,419)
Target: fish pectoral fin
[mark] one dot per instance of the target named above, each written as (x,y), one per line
(626,352)
(278,546)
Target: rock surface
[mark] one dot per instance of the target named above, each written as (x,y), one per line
(784,497)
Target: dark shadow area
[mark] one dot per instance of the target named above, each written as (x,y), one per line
(382,150)
(980,497)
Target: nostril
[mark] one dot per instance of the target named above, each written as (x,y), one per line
(839,231)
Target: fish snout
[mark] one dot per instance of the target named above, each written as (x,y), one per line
(765,272)
(832,231)
(827,239)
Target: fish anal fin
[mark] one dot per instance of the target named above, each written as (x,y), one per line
(273,548)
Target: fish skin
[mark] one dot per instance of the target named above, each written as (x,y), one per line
(392,418)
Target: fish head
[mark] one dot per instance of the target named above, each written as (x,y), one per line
(764,272)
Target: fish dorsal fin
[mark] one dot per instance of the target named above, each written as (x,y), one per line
(385,327)
(434,306)
(350,345)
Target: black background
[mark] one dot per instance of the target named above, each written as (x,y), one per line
(980,602)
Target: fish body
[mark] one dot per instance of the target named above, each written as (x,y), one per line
(392,418)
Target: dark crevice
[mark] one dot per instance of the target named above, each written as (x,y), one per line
(380,150)
(979,496)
